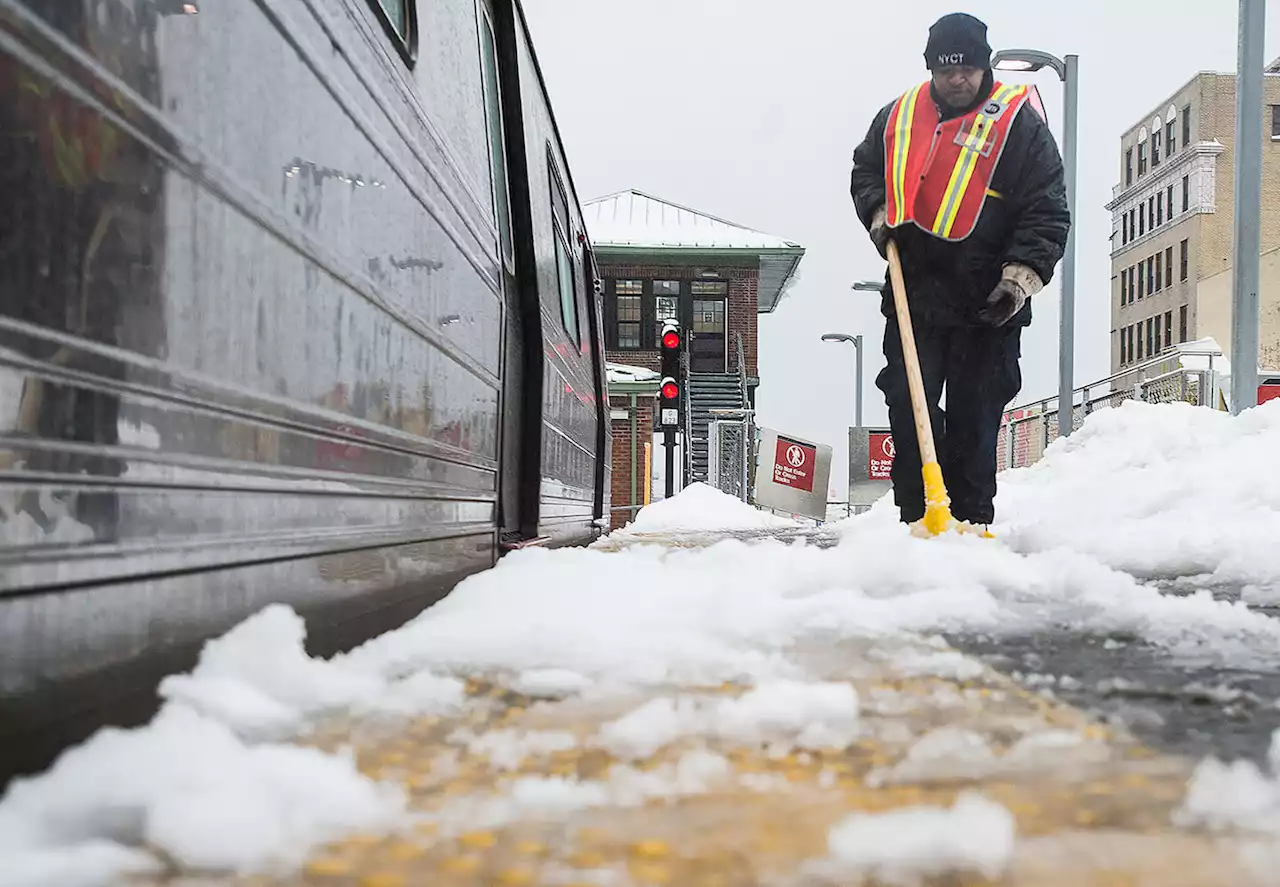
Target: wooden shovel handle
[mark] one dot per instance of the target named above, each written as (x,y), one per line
(911,359)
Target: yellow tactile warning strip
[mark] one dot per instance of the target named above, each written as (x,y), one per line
(1092,807)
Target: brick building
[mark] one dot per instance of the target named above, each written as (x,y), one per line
(662,261)
(1172,224)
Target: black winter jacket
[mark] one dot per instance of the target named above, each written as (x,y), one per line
(948,282)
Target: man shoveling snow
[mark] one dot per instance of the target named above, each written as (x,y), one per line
(968,186)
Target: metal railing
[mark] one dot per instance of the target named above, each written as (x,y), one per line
(731,440)
(686,404)
(1027,430)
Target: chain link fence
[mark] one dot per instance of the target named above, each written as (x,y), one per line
(731,445)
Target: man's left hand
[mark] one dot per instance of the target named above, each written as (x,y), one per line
(1005,301)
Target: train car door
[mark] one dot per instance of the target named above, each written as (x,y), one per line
(513,410)
(594,289)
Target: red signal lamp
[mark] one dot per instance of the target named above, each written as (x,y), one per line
(671,339)
(670,390)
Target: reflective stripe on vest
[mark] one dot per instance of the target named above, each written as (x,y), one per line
(938,175)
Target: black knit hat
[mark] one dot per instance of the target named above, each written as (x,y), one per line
(957,39)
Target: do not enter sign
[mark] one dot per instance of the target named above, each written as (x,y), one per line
(794,463)
(880,453)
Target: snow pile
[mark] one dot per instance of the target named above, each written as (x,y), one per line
(201,783)
(258,679)
(974,836)
(700,507)
(803,715)
(190,787)
(1158,491)
(1222,797)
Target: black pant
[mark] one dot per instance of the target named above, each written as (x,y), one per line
(979,367)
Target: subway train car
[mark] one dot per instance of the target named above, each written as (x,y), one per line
(296,305)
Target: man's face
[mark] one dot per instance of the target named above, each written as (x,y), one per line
(958,85)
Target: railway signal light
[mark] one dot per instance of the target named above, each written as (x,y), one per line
(669,390)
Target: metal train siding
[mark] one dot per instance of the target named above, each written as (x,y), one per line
(296,305)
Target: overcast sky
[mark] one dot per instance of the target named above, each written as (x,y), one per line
(750,110)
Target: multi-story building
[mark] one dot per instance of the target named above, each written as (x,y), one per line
(1171,237)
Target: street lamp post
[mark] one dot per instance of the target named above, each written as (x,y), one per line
(857,343)
(1067,70)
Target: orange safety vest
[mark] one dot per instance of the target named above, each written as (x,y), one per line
(938,174)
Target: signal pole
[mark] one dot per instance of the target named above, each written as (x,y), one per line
(669,399)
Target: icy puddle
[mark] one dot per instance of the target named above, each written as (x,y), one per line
(948,775)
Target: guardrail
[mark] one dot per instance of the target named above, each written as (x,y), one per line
(1027,430)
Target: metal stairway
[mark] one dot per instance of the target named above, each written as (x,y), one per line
(707,392)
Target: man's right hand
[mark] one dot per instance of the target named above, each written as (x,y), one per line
(879,232)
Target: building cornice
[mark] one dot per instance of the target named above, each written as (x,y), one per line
(1185,158)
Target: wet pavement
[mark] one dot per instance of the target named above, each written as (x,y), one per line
(1177,706)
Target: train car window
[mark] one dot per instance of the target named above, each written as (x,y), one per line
(497,141)
(564,263)
(400,20)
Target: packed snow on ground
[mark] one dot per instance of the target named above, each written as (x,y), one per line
(973,836)
(214,782)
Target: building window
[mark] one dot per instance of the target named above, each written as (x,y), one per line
(1186,193)
(1124,228)
(627,313)
(1138,336)
(1133,279)
(1155,149)
(1275,121)
(1168,265)
(1142,219)
(1142,159)
(1186,126)
(1169,202)
(1128,167)
(1151,338)
(666,305)
(1182,324)
(399,20)
(1182,260)
(1124,287)
(1170,143)
(1159,274)
(1142,281)
(1151,274)
(1130,341)
(1151,212)
(1158,336)
(1120,345)
(1168,329)
(1159,209)
(710,288)
(568,279)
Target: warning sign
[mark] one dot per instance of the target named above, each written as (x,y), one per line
(794,463)
(880,454)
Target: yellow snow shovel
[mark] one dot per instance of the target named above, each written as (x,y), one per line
(937,504)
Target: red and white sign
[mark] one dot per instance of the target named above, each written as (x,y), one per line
(793,464)
(1268,390)
(880,453)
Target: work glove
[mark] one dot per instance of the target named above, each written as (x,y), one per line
(1005,301)
(880,233)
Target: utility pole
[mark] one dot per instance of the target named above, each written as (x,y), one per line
(1248,208)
